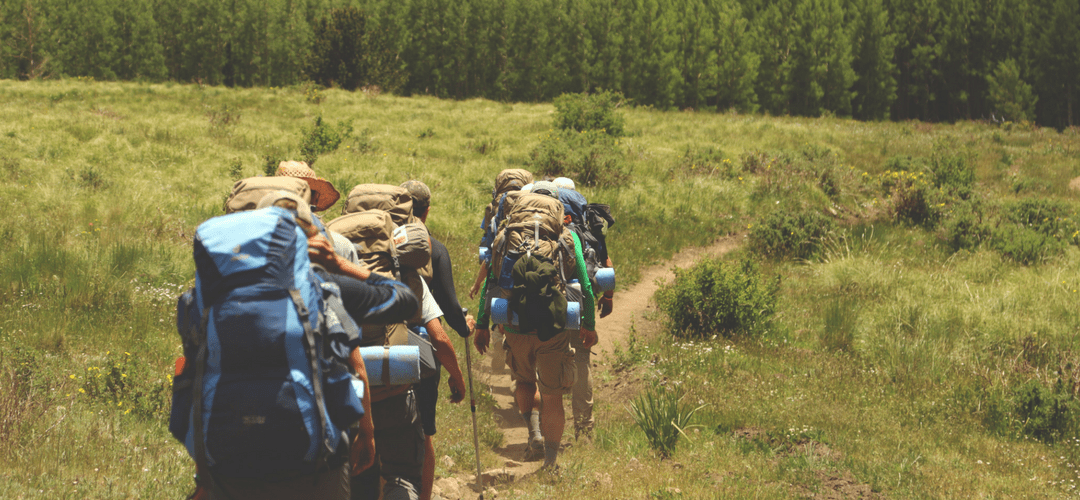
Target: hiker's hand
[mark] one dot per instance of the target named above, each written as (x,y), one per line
(588,338)
(475,289)
(481,340)
(604,305)
(362,452)
(470,321)
(457,389)
(321,251)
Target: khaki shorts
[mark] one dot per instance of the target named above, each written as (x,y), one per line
(548,364)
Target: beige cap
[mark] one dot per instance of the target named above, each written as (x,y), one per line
(420,194)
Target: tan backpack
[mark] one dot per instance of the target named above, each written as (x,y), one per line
(246,193)
(396,201)
(373,234)
(508,181)
(534,225)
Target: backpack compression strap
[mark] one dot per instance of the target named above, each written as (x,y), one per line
(202,465)
(316,379)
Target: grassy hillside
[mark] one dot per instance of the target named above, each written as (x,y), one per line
(894,361)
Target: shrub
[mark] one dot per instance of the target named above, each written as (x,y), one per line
(1045,215)
(1044,413)
(660,414)
(718,297)
(590,157)
(951,170)
(798,235)
(582,112)
(965,227)
(322,138)
(1024,245)
(912,199)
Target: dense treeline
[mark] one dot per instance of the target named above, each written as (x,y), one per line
(872,59)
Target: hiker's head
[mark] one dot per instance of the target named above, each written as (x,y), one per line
(421,198)
(546,187)
(290,201)
(564,183)
(323,194)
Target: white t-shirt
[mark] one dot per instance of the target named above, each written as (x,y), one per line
(429,309)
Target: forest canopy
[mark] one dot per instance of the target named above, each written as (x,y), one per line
(932,60)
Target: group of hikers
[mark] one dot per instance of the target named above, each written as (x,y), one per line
(313,351)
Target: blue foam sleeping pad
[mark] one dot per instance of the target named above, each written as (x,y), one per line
(403,366)
(500,309)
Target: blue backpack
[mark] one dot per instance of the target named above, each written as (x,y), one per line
(266,396)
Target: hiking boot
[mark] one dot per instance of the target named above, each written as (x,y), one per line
(534,450)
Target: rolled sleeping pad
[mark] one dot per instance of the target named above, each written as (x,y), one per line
(605,279)
(393,365)
(500,309)
(485,254)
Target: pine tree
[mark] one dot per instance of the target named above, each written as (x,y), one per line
(875,84)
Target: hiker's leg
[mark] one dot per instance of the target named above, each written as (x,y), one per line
(556,374)
(521,356)
(400,441)
(552,418)
(582,402)
(526,396)
(428,478)
(498,350)
(332,484)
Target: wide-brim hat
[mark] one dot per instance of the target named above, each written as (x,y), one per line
(323,194)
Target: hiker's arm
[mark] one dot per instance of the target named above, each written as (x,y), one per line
(362,451)
(480,277)
(376,300)
(605,303)
(588,308)
(444,351)
(442,288)
(321,252)
(482,335)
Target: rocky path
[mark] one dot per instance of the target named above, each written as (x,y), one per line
(633,307)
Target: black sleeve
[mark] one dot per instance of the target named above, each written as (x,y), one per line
(442,288)
(376,300)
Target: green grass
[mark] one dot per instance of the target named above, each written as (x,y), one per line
(898,355)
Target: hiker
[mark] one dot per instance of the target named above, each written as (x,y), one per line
(388,237)
(540,356)
(323,196)
(442,289)
(507,181)
(582,402)
(249,413)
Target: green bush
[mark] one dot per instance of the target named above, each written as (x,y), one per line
(582,112)
(1024,245)
(718,297)
(965,227)
(322,138)
(912,199)
(590,157)
(951,169)
(783,234)
(1047,414)
(660,414)
(704,162)
(1046,215)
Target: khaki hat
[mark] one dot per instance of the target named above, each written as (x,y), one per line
(290,200)
(420,194)
(564,183)
(323,194)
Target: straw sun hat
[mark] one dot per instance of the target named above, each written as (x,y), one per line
(323,194)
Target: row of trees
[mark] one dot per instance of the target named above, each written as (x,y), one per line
(872,59)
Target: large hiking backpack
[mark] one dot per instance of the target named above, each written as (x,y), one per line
(533,227)
(508,181)
(246,193)
(261,395)
(590,222)
(396,252)
(396,201)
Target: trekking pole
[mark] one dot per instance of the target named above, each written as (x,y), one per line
(472,407)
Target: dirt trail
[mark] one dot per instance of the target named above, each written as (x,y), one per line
(632,307)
